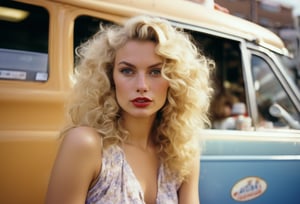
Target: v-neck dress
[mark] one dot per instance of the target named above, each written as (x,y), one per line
(117,183)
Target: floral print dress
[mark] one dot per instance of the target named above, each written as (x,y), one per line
(117,183)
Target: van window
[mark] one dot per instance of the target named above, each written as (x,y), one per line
(269,92)
(228,79)
(85,27)
(23,42)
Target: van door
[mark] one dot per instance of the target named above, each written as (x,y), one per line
(251,162)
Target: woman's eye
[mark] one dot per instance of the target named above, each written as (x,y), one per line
(155,72)
(126,71)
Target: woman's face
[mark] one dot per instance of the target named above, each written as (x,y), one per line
(140,88)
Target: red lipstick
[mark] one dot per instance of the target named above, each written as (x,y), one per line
(141,102)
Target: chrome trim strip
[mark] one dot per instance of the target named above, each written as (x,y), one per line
(249,158)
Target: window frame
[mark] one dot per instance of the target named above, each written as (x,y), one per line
(279,73)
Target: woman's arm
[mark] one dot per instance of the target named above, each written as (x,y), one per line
(188,192)
(77,164)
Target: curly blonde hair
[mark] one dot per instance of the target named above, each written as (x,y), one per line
(179,123)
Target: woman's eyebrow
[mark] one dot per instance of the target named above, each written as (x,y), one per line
(156,64)
(126,63)
(131,65)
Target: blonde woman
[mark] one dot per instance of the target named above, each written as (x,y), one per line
(136,111)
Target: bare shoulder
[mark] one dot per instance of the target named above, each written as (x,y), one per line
(77,165)
(82,145)
(83,139)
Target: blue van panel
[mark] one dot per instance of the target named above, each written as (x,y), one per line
(218,177)
(226,162)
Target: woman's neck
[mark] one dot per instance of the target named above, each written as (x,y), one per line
(140,130)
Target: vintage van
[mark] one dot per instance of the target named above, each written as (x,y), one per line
(259,162)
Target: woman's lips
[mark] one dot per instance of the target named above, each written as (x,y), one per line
(141,102)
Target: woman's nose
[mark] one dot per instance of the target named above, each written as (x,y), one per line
(142,85)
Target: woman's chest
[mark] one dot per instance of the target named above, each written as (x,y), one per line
(144,166)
